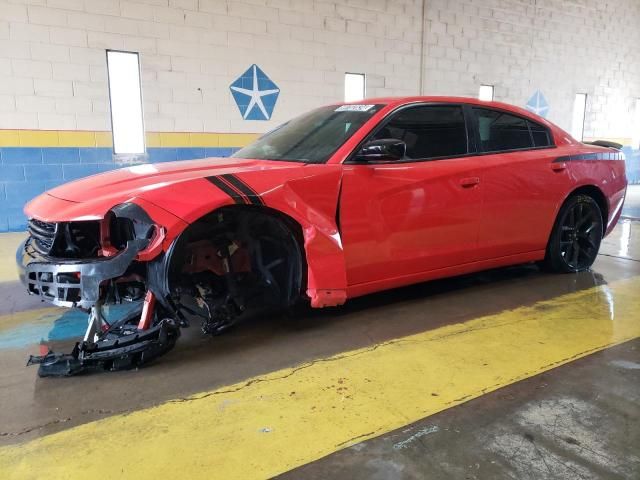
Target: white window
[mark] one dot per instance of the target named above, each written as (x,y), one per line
(126,102)
(354,87)
(635,136)
(486,93)
(577,122)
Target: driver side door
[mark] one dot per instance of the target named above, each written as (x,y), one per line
(399,218)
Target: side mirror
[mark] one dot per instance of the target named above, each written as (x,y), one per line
(383,149)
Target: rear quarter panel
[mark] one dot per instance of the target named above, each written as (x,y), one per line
(603,168)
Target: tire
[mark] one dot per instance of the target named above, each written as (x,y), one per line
(575,239)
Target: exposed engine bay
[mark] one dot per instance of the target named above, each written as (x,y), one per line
(231,264)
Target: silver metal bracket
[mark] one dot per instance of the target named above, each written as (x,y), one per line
(95,324)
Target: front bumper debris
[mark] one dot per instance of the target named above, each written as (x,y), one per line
(71,283)
(52,264)
(119,346)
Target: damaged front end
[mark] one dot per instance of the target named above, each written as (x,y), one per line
(88,264)
(232,263)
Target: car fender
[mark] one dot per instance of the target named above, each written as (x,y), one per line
(308,195)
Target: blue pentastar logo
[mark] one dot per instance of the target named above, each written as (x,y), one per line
(538,104)
(255,94)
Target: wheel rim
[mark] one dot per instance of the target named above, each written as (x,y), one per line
(580,236)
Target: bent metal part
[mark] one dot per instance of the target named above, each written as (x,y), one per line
(217,240)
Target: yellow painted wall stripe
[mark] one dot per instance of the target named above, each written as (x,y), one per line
(236,139)
(273,423)
(9,138)
(53,138)
(79,138)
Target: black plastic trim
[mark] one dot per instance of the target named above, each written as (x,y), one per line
(43,275)
(602,156)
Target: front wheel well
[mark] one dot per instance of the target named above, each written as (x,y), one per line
(236,259)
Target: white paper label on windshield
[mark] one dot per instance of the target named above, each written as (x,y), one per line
(354,108)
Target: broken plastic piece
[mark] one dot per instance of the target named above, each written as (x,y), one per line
(121,350)
(55,365)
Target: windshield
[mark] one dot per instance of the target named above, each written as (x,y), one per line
(312,137)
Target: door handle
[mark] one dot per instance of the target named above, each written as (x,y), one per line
(558,167)
(469,182)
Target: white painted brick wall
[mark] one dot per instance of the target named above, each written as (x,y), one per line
(52,56)
(559,47)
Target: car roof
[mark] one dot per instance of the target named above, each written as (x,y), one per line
(397,101)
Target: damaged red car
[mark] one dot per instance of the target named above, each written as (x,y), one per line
(340,202)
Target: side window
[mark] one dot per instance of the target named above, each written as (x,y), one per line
(430,131)
(501,131)
(540,134)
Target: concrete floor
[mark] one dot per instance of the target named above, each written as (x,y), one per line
(577,421)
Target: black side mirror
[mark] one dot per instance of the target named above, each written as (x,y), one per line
(383,149)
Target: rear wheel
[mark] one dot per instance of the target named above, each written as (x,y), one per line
(576,236)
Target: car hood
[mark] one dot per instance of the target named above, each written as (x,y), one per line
(118,185)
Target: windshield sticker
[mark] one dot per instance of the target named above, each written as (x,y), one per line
(354,108)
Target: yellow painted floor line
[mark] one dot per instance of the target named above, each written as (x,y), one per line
(273,423)
(12,320)
(8,245)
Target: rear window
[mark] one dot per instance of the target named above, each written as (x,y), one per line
(540,134)
(501,131)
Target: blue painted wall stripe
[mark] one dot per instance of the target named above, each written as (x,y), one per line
(26,172)
(61,155)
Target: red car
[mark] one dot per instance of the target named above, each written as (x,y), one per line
(340,202)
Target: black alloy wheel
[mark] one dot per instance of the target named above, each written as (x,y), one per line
(576,237)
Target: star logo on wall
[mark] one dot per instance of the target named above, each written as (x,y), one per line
(538,104)
(255,94)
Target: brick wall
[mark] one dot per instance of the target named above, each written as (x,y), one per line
(52,55)
(560,47)
(52,59)
(54,71)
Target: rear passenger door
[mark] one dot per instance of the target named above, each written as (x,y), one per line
(520,190)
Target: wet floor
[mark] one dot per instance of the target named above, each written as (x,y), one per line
(579,421)
(34,407)
(631,208)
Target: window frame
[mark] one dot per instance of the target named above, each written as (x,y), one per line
(476,131)
(635,137)
(471,126)
(471,148)
(583,105)
(111,116)
(364,86)
(493,92)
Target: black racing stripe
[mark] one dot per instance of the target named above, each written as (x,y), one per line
(589,156)
(245,189)
(237,198)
